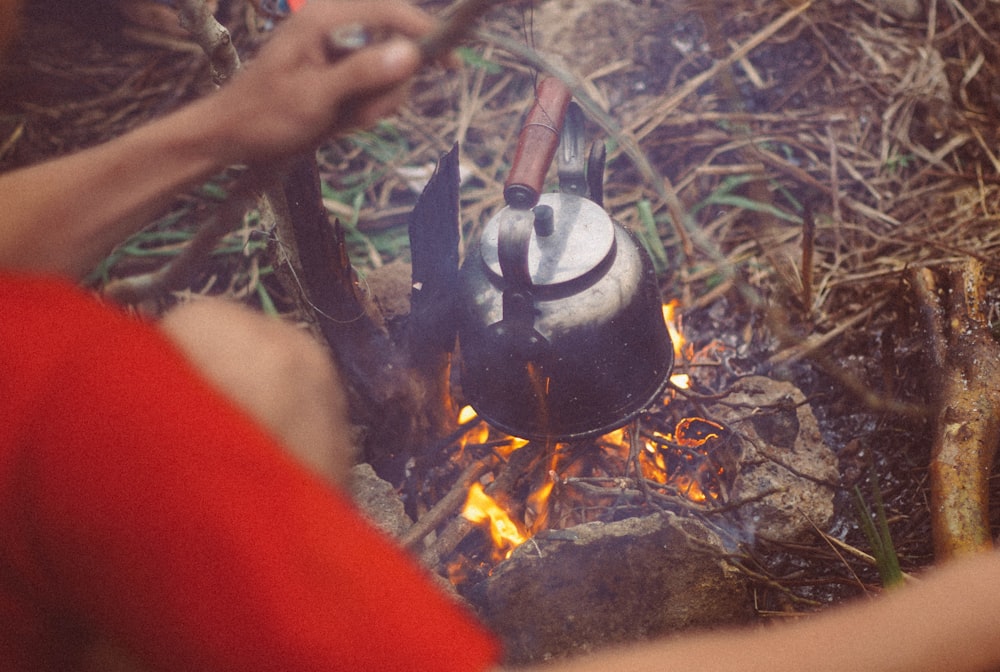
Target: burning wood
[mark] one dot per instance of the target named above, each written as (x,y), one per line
(685,461)
(754,461)
(631,471)
(672,465)
(669,459)
(551,511)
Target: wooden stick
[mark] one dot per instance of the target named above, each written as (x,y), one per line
(808,248)
(459,24)
(462,17)
(516,467)
(967,428)
(216,42)
(449,504)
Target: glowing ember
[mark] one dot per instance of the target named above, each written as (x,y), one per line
(694,432)
(481,508)
(467,414)
(680,461)
(681,381)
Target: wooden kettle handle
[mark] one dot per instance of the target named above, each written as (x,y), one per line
(537,143)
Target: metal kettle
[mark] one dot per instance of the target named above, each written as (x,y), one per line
(561,331)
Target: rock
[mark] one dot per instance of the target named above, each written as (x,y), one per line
(378,500)
(570,591)
(783,453)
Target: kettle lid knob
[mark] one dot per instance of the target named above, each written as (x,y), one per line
(577,239)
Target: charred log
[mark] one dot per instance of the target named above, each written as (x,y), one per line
(399,386)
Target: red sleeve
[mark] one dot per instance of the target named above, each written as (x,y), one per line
(144,506)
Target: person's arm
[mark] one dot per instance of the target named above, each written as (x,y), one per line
(950,621)
(65,215)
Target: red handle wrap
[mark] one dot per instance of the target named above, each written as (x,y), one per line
(537,144)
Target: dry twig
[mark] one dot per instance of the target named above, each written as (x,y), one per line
(448,505)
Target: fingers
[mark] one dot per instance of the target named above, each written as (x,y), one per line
(295,93)
(371,80)
(361,77)
(321,21)
(377,67)
(378,16)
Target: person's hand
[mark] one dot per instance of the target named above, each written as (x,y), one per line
(283,102)
(294,92)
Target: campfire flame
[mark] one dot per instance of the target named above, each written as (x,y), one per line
(538,507)
(672,318)
(506,534)
(679,461)
(478,434)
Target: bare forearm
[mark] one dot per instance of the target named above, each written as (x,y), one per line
(65,215)
(950,621)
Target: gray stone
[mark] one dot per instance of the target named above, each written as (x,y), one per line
(787,473)
(379,501)
(570,591)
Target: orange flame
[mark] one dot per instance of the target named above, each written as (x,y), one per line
(478,434)
(694,432)
(655,468)
(677,469)
(681,381)
(689,488)
(538,506)
(481,434)
(672,318)
(481,508)
(466,414)
(515,443)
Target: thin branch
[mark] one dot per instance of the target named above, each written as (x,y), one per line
(179,271)
(215,41)
(211,36)
(448,504)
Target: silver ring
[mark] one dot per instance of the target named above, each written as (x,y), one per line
(346,40)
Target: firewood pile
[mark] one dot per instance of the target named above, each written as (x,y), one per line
(818,186)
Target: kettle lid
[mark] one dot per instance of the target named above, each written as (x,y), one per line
(582,236)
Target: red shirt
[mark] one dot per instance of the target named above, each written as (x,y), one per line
(137,504)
